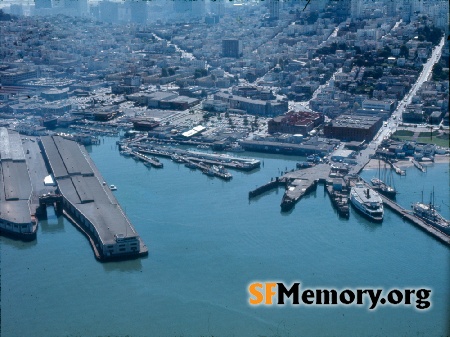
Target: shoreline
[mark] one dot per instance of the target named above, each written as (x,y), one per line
(439,159)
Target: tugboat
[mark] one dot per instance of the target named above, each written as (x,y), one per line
(221,172)
(367,202)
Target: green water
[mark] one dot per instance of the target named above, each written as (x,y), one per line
(207,243)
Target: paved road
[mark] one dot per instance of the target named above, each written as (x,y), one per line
(391,125)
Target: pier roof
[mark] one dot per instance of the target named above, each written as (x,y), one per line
(15,186)
(16,180)
(56,163)
(85,190)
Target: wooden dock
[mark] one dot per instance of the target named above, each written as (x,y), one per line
(397,169)
(418,165)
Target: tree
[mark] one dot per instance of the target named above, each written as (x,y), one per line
(164,72)
(404,51)
(171,71)
(200,73)
(342,46)
(312,17)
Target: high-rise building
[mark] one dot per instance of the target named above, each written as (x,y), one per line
(342,8)
(216,7)
(274,9)
(16,9)
(189,8)
(198,8)
(76,7)
(38,4)
(406,10)
(231,48)
(182,6)
(139,11)
(356,9)
(109,11)
(391,7)
(317,5)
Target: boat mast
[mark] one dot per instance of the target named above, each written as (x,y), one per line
(379,169)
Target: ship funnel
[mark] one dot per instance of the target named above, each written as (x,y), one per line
(368,194)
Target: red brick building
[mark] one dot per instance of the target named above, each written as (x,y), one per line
(295,122)
(353,127)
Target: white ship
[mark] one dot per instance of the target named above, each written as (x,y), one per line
(367,202)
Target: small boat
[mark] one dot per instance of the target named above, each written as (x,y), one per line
(113,187)
(190,165)
(221,172)
(209,171)
(304,164)
(177,158)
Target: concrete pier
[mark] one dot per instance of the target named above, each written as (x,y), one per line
(88,201)
(266,187)
(297,183)
(409,216)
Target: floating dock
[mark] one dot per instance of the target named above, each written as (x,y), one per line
(88,201)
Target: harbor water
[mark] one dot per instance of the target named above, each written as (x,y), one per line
(207,242)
